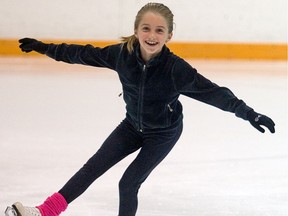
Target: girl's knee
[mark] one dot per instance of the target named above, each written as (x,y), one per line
(127,185)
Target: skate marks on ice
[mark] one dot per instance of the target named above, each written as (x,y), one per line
(54,116)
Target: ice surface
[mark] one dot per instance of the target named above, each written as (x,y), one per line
(54,116)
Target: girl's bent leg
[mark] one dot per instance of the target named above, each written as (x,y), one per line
(155,148)
(123,141)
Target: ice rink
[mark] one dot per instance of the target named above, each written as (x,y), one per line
(54,116)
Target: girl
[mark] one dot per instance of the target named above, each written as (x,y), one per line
(152,78)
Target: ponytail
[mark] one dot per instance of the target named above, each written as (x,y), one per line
(131,40)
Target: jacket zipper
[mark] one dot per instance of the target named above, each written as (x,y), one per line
(140,100)
(170,108)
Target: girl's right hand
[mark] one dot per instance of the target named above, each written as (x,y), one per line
(29,44)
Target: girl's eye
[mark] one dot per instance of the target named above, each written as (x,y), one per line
(159,30)
(145,29)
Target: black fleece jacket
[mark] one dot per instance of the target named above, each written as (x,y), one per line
(151,90)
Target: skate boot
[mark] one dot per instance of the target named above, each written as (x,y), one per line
(10,211)
(19,210)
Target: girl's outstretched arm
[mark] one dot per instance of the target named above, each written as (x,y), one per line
(75,54)
(192,84)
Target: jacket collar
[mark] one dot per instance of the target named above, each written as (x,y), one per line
(154,61)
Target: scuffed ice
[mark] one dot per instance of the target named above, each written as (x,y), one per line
(54,116)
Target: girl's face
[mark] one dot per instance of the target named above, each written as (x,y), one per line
(152,34)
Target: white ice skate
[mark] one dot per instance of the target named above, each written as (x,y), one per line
(10,211)
(18,209)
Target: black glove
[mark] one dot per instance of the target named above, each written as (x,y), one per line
(30,44)
(257,119)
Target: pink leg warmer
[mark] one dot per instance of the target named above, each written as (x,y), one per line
(53,205)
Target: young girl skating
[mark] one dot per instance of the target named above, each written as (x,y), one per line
(152,79)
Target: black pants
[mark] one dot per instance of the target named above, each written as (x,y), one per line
(124,140)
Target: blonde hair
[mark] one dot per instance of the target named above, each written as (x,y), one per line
(158,8)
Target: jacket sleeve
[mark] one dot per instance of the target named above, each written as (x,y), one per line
(86,55)
(189,82)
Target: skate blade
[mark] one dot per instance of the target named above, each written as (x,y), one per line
(10,211)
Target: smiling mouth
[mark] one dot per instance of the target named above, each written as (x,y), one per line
(151,43)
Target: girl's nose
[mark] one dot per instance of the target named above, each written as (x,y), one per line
(152,35)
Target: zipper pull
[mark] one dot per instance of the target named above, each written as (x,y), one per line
(170,108)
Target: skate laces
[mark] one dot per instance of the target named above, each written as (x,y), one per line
(32,211)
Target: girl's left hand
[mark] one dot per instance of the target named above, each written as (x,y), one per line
(256,120)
